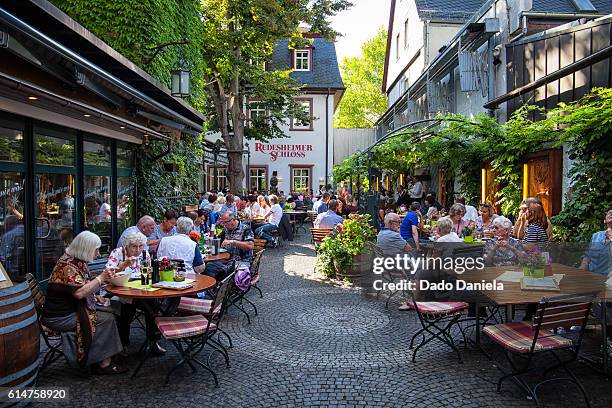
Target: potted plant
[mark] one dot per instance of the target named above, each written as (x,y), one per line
(166,270)
(532,262)
(346,253)
(467,233)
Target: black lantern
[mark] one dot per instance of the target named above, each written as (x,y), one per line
(181,82)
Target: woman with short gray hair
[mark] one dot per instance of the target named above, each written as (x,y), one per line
(502,249)
(456,213)
(180,246)
(445,231)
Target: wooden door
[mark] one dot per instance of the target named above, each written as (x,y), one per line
(542,179)
(488,186)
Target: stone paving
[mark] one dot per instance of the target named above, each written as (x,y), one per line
(316,343)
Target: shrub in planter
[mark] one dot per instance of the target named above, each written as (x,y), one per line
(346,247)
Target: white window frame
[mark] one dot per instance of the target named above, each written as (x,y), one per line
(295,122)
(303,177)
(221,177)
(257,177)
(255,110)
(304,57)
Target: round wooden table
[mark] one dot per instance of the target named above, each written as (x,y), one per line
(202,282)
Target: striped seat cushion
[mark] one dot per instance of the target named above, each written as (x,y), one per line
(438,309)
(182,327)
(518,337)
(195,305)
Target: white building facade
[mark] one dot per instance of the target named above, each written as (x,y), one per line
(304,159)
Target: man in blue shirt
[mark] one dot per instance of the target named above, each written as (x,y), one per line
(409,229)
(330,218)
(321,205)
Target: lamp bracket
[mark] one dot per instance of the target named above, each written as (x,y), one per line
(160,48)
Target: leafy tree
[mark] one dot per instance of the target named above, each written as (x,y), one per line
(363,102)
(238,36)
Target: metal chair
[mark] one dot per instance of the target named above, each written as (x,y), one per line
(52,339)
(255,272)
(437,320)
(190,334)
(525,340)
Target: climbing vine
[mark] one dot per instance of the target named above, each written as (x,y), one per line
(133,27)
(460,146)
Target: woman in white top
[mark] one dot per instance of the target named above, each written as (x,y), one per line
(264,208)
(219,204)
(445,231)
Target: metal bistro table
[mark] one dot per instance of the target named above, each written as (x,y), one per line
(574,281)
(150,301)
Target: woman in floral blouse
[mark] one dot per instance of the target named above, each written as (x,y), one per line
(89,336)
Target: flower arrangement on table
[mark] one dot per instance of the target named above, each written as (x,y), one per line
(199,239)
(532,261)
(468,234)
(351,239)
(166,269)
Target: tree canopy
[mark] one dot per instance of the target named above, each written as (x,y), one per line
(363,102)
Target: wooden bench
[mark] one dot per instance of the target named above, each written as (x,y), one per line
(259,245)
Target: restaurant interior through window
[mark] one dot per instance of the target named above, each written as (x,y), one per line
(54,183)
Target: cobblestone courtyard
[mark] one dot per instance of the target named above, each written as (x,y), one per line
(317,343)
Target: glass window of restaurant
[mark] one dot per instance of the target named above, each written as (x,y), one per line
(54,183)
(257,178)
(300,178)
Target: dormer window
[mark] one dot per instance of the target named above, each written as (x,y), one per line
(302,59)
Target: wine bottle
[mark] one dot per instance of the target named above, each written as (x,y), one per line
(143,268)
(155,275)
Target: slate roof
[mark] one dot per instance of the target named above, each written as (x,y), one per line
(567,6)
(447,10)
(324,72)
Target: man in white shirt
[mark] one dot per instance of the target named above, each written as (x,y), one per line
(416,192)
(273,218)
(471,213)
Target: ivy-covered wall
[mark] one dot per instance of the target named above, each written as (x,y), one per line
(132,27)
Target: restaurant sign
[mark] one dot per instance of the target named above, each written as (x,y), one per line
(277,151)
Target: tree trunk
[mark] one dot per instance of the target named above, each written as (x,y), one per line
(234,144)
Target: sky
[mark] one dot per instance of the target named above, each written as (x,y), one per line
(358,24)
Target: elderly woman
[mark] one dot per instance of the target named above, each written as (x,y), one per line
(180,246)
(445,231)
(502,249)
(127,258)
(456,214)
(88,336)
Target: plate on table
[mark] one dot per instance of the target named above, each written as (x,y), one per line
(222,250)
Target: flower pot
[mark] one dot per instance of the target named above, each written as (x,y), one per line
(360,267)
(468,239)
(166,276)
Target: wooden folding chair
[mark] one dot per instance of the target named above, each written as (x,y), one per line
(525,340)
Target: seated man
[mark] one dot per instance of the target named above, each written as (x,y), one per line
(236,237)
(330,218)
(272,218)
(321,205)
(389,238)
(180,246)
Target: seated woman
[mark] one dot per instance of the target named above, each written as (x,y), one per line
(88,336)
(165,229)
(127,259)
(502,249)
(201,223)
(484,222)
(180,246)
(456,214)
(230,205)
(264,208)
(537,224)
(445,231)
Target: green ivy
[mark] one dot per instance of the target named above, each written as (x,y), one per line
(132,27)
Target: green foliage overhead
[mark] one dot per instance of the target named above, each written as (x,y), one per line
(460,146)
(363,102)
(133,27)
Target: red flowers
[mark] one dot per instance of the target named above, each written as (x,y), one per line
(165,264)
(195,236)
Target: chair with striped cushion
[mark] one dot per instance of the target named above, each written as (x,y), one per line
(190,306)
(189,334)
(437,322)
(523,341)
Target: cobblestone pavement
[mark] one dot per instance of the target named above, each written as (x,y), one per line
(314,343)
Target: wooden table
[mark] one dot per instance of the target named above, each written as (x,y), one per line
(202,282)
(148,298)
(574,281)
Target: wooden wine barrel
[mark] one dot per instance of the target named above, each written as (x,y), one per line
(19,337)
